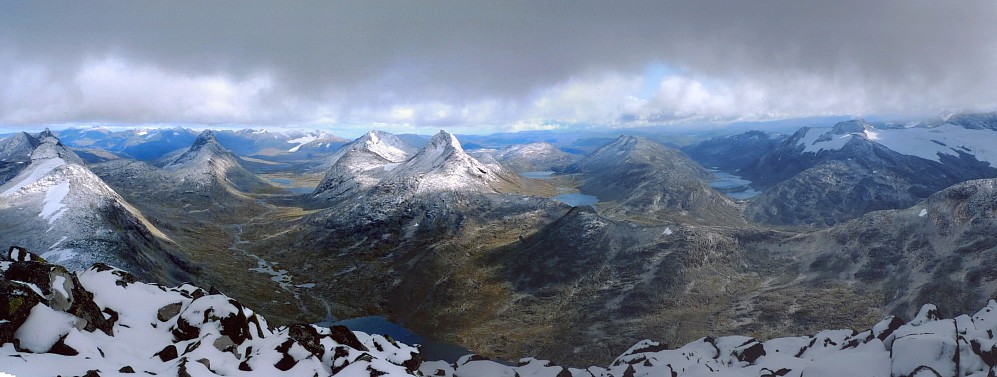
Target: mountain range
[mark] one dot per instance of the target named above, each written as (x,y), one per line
(489,249)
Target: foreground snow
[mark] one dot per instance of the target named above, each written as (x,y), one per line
(102,322)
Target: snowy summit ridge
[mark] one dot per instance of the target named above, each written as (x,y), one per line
(442,165)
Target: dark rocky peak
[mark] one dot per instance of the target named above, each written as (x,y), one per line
(18,147)
(45,134)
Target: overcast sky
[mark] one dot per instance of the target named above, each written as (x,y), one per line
(472,66)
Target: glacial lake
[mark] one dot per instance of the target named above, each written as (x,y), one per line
(733,186)
(576,199)
(431,350)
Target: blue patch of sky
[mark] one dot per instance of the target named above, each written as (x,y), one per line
(653,74)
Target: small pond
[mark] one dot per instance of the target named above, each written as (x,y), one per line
(537,174)
(431,350)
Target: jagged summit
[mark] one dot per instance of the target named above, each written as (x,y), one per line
(381,159)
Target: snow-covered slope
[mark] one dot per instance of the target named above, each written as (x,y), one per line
(534,157)
(381,144)
(929,142)
(823,176)
(316,142)
(102,321)
(57,206)
(442,165)
(363,163)
(57,323)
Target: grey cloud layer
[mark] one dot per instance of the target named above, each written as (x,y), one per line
(362,55)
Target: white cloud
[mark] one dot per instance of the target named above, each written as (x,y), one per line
(116,91)
(599,99)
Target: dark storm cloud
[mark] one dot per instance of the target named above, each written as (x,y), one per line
(365,57)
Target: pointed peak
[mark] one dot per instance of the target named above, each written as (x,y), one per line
(205,137)
(444,139)
(204,148)
(26,136)
(374,136)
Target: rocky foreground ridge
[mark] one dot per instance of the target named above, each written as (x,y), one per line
(103,322)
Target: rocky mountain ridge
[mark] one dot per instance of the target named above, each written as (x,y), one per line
(824,176)
(646,181)
(57,205)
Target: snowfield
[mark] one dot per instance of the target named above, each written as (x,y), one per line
(947,139)
(929,143)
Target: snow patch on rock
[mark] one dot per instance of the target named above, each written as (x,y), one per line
(54,207)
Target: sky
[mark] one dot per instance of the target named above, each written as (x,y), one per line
(482,67)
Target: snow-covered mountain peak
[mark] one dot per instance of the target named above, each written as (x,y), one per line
(379,143)
(386,145)
(203,151)
(442,165)
(442,153)
(441,145)
(818,139)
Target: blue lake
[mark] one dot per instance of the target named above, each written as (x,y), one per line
(576,199)
(281,181)
(285,182)
(537,174)
(734,186)
(431,350)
